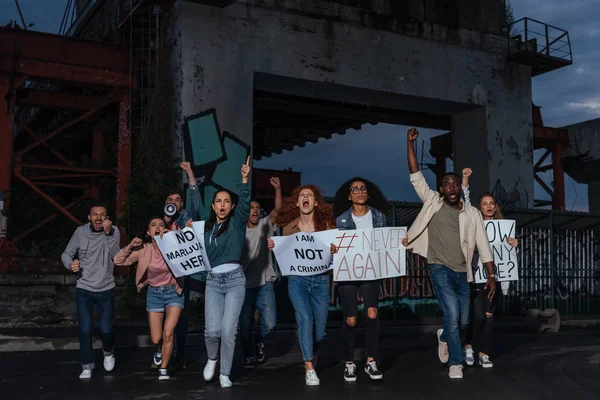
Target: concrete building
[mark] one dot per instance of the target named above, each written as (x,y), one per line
(263,76)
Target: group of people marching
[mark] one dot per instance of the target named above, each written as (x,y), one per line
(448,231)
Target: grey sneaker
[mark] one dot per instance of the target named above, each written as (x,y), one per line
(311,378)
(442,347)
(469,356)
(456,372)
(485,362)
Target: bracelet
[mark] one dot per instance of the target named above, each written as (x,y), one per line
(491,276)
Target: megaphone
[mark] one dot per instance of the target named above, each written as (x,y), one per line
(170,209)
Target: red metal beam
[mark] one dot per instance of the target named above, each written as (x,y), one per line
(65,185)
(63,176)
(51,71)
(46,197)
(47,220)
(59,100)
(123,156)
(6,139)
(558,200)
(70,123)
(47,56)
(34,135)
(67,168)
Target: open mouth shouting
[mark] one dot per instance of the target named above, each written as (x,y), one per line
(97,224)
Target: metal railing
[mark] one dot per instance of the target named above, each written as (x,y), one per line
(530,35)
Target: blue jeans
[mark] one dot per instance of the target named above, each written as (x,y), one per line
(105,309)
(310,297)
(261,298)
(223,302)
(453,294)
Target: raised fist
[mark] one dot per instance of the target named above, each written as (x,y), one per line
(412,134)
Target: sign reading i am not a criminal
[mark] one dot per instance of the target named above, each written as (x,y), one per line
(304,253)
(184,250)
(369,254)
(505,256)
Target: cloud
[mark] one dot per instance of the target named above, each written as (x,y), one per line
(590,105)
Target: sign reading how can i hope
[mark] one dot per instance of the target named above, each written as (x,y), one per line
(505,256)
(184,251)
(304,253)
(369,254)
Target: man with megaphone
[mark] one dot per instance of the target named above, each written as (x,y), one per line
(176,215)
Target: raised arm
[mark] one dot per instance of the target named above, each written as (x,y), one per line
(466,173)
(411,138)
(243,208)
(192,194)
(126,256)
(278,200)
(416,177)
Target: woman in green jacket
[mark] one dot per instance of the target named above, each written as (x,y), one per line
(224,237)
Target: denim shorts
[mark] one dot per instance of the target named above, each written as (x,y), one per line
(160,297)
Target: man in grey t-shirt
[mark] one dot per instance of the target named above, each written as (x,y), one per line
(260,275)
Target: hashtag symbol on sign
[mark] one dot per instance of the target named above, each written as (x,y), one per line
(345,237)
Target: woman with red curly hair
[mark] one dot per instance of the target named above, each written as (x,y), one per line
(306,211)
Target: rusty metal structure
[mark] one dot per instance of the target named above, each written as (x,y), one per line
(54,89)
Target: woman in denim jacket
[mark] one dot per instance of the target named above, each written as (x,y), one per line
(362,201)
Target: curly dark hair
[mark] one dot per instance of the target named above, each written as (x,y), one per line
(290,211)
(376,200)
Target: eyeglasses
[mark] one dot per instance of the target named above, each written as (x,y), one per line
(357,189)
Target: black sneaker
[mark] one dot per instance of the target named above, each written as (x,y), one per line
(372,371)
(250,363)
(350,373)
(163,375)
(259,350)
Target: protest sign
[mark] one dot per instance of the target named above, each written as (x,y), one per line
(184,251)
(304,253)
(505,256)
(368,254)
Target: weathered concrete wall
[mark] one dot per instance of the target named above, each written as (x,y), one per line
(222,49)
(584,138)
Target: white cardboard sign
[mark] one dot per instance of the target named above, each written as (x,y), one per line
(369,254)
(184,251)
(505,256)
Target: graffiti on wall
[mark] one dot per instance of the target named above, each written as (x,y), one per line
(215,155)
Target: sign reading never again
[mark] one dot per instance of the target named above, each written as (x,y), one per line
(369,254)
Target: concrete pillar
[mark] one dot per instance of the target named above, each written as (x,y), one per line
(594,197)
(469,135)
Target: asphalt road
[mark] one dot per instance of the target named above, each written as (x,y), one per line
(551,366)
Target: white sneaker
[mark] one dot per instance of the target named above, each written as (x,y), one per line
(469,356)
(225,381)
(456,372)
(86,374)
(109,363)
(485,362)
(311,378)
(209,370)
(442,347)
